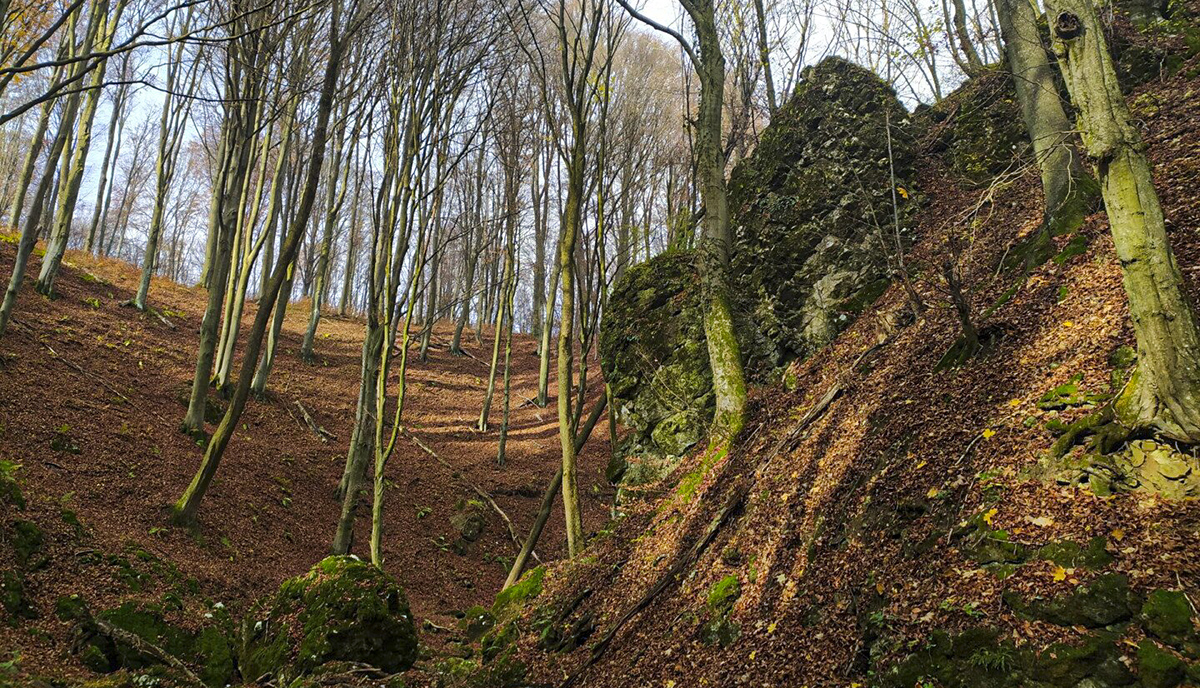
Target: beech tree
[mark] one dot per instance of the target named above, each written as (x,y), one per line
(1164,393)
(724,355)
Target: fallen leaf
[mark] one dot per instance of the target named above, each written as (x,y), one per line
(1059,574)
(989,433)
(987,518)
(933,492)
(1042,521)
(1118,534)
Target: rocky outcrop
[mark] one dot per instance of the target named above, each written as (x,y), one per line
(652,349)
(812,209)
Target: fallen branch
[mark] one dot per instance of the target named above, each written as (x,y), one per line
(321,432)
(512,531)
(145,647)
(158,314)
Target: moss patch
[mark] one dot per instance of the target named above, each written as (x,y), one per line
(511,599)
(344,609)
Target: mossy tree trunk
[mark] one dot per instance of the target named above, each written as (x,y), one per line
(729,384)
(1067,186)
(189,502)
(1164,394)
(724,353)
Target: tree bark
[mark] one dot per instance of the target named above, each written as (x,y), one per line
(1164,393)
(1068,188)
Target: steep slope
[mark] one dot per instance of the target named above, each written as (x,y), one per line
(887,522)
(90,399)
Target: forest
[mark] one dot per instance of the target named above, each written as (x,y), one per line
(600,343)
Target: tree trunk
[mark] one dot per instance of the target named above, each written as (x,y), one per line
(729,383)
(189,502)
(1164,393)
(1068,188)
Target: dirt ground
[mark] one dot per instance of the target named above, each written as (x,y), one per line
(91,396)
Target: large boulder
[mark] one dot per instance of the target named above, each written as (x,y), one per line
(812,209)
(343,610)
(655,360)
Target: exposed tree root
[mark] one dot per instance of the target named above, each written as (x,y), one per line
(1103,429)
(321,432)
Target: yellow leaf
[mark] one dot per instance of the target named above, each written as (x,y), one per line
(1068,323)
(879,588)
(989,433)
(1014,403)
(922,464)
(771,627)
(1118,534)
(1059,574)
(933,492)
(987,518)
(902,191)
(753,654)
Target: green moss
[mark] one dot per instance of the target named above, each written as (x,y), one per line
(1105,601)
(723,594)
(214,654)
(14,598)
(690,482)
(519,593)
(10,490)
(1069,554)
(498,640)
(476,622)
(1167,615)
(1077,246)
(344,609)
(27,540)
(1159,668)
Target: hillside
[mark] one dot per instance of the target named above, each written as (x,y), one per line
(902,509)
(91,394)
(884,522)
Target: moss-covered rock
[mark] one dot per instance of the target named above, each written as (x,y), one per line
(27,539)
(14,598)
(655,360)
(1105,601)
(344,609)
(1159,668)
(1167,615)
(979,658)
(210,649)
(812,209)
(10,489)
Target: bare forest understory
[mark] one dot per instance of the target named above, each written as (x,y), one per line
(91,395)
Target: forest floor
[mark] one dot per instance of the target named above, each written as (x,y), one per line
(91,397)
